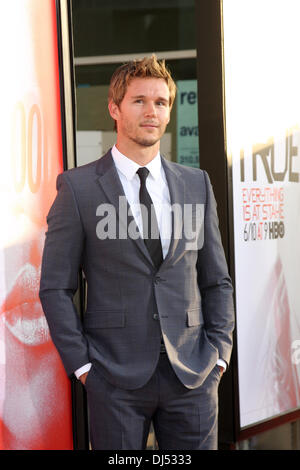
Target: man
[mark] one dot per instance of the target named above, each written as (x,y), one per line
(159,317)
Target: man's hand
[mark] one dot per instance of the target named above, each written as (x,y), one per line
(83,377)
(221,370)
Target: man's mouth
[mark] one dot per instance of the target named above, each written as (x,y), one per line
(149,125)
(22,312)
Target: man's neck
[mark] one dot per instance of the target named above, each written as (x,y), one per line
(141,155)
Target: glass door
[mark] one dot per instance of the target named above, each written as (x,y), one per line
(108,33)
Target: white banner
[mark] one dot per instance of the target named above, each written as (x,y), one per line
(262,77)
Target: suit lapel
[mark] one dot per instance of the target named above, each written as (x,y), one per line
(177,195)
(110,183)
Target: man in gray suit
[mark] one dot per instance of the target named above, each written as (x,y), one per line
(157,331)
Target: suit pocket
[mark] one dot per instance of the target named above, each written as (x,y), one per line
(195,317)
(104,319)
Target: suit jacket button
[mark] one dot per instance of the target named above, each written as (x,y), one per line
(155,316)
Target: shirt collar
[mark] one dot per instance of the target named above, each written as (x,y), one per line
(129,168)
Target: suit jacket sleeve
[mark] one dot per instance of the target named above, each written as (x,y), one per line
(214,281)
(59,276)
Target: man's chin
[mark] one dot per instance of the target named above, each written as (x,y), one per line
(146,142)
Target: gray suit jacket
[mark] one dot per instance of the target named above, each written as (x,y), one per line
(129,304)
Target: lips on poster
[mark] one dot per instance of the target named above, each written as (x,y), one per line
(31,375)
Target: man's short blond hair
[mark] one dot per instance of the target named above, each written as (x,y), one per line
(148,67)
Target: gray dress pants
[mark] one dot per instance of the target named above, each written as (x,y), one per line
(183,419)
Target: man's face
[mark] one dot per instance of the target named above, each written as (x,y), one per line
(144,113)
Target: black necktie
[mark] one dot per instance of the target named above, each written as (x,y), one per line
(150,225)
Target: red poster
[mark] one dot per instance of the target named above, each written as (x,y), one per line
(35,397)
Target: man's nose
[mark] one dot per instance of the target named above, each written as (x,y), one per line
(150,109)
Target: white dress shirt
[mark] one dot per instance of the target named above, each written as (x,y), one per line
(158,189)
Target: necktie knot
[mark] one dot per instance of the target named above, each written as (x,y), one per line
(143,172)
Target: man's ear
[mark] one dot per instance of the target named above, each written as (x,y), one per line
(113,110)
